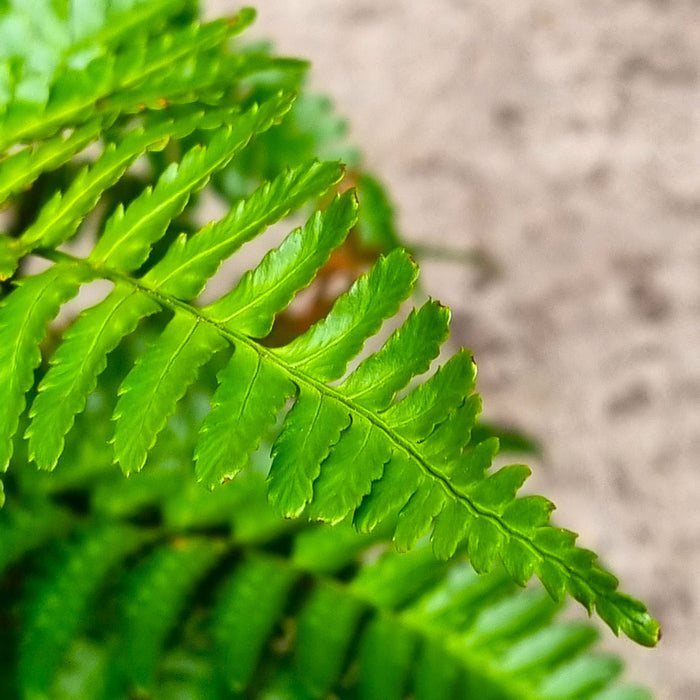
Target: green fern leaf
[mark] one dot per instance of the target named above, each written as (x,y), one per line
(76,365)
(450,528)
(156,383)
(129,235)
(417,515)
(125,244)
(189,262)
(60,217)
(203,78)
(312,427)
(250,393)
(326,348)
(337,492)
(416,416)
(251,306)
(444,477)
(405,355)
(389,495)
(21,169)
(346,449)
(24,317)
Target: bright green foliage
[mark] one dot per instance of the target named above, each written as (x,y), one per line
(128,235)
(301,448)
(156,591)
(155,384)
(76,364)
(58,607)
(188,263)
(112,81)
(339,612)
(24,316)
(377,446)
(377,380)
(251,306)
(21,169)
(250,392)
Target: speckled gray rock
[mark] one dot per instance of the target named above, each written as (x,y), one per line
(563,140)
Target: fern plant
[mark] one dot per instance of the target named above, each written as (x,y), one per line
(106,148)
(207,595)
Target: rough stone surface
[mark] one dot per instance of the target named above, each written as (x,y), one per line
(563,141)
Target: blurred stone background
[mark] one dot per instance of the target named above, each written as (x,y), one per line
(562,139)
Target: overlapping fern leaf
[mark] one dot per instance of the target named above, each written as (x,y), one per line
(152,587)
(373,445)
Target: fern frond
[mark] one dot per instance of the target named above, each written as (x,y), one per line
(313,426)
(128,235)
(251,306)
(348,447)
(325,350)
(382,375)
(190,262)
(425,436)
(207,76)
(249,393)
(182,272)
(76,364)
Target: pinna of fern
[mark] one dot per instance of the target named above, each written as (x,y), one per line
(347,448)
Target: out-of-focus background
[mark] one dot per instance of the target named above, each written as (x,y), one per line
(562,140)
